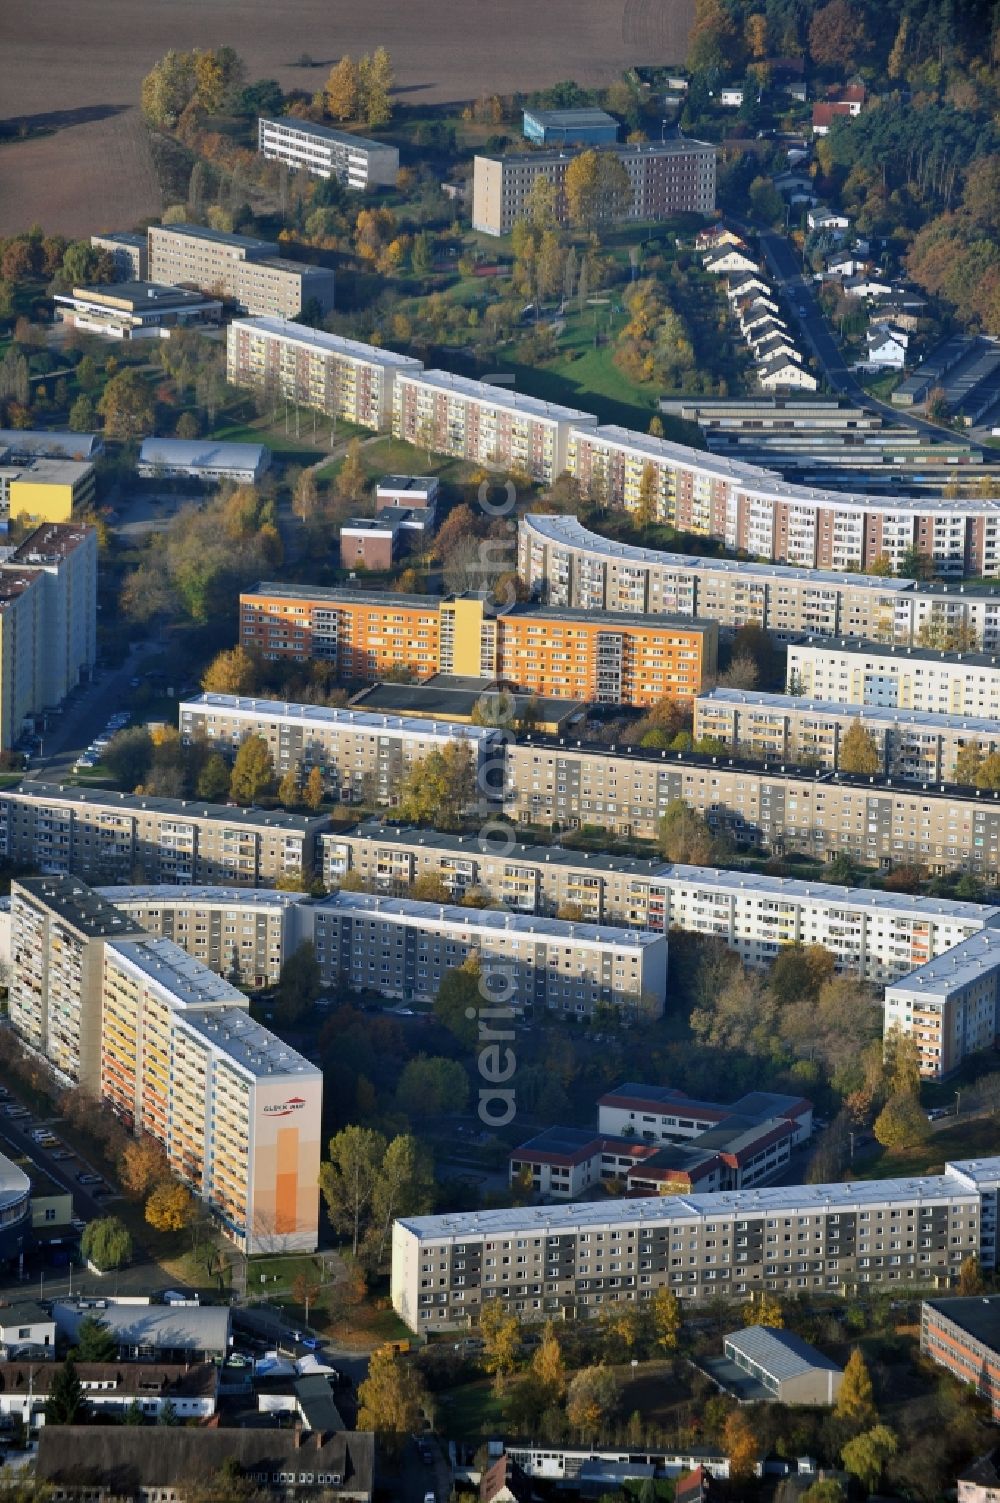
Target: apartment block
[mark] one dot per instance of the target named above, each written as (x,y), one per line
(555,652)
(564,564)
(562,1261)
(856,672)
(58,928)
(663,1114)
(951,1004)
(912,744)
(361,755)
(130,254)
(877,821)
(354,161)
(878,935)
(48,616)
(400,948)
(962,1335)
(338,377)
(243,934)
(755,511)
(669,177)
(247,271)
(103,836)
(237,1110)
(484,424)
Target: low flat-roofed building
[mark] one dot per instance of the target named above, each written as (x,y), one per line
(784,1368)
(582,127)
(148,1332)
(139,1464)
(414,491)
(355,161)
(43,489)
(135,310)
(377,542)
(204,459)
(456,699)
(963,1335)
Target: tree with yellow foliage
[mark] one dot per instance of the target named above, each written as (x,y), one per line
(740,1444)
(500,1330)
(548,1366)
(856,1401)
(232,671)
(342,92)
(169,1208)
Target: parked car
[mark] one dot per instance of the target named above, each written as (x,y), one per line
(86,1178)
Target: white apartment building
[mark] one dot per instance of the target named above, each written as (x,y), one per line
(552,1262)
(358,751)
(484,424)
(353,160)
(337,376)
(236,1109)
(854,672)
(951,1005)
(400,948)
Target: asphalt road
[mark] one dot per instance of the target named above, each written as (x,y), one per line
(800,294)
(86,714)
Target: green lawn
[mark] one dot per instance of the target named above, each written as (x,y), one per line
(975,1137)
(471,1412)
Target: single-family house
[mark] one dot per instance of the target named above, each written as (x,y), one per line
(868,284)
(746,284)
(715,236)
(732,97)
(825,220)
(764,317)
(729,258)
(782,372)
(774,344)
(887,347)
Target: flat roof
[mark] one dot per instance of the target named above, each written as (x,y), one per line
(204,1327)
(248,1044)
(571,532)
(189,982)
(14,1186)
(326,344)
(499,396)
(76,904)
(50,542)
(173,808)
(895,653)
(325,132)
(206,453)
(780,1353)
(221,897)
(51,444)
(343,594)
(448,694)
(46,471)
(141,294)
(650,620)
(977,1315)
(121,237)
(219,237)
(448,915)
(955,1183)
(389,484)
(568,118)
(329,718)
(753,698)
(961,966)
(677,146)
(538,855)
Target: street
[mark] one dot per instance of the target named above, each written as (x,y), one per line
(85,716)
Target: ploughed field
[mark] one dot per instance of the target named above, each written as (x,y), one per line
(75,66)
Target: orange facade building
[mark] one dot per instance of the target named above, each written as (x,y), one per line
(552,651)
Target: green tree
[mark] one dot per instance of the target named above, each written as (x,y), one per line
(500,1330)
(167,1415)
(404,1187)
(856,1401)
(129,756)
(87,378)
(867,1455)
(126,405)
(253,771)
(94,1342)
(968,761)
(167,88)
(65,1404)
(901,1123)
(347,1179)
(133,1414)
(107,1243)
(439,788)
(459,996)
(213,779)
(300,983)
(430,1087)
(685,836)
(375,80)
(83,414)
(859,751)
(798,972)
(593,1397)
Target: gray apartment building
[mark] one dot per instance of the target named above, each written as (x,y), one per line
(859,672)
(362,755)
(355,161)
(103,836)
(242,268)
(669,177)
(244,934)
(561,561)
(556,1262)
(130,253)
(552,781)
(395,947)
(912,744)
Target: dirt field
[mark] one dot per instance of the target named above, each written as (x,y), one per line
(77,64)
